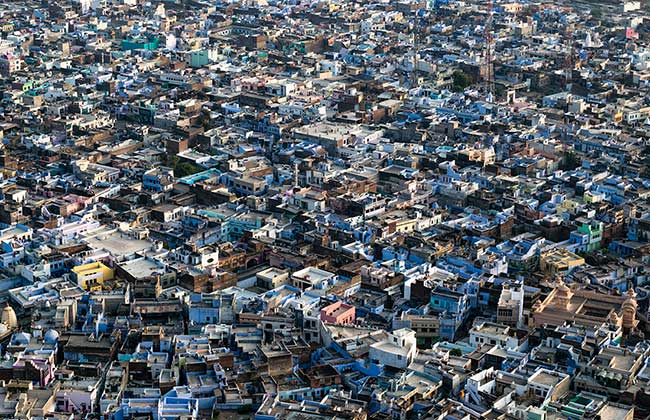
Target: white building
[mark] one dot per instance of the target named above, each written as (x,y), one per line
(398,350)
(510,310)
(630,6)
(550,385)
(482,382)
(313,278)
(490,333)
(271,278)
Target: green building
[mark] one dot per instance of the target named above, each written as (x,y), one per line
(588,236)
(142,43)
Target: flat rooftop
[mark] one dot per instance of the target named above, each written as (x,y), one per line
(614,412)
(546,378)
(142,267)
(312,274)
(118,244)
(271,272)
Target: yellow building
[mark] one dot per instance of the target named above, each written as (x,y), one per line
(559,261)
(405,225)
(512,7)
(567,206)
(8,173)
(92,276)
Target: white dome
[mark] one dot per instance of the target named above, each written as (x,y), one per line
(8,317)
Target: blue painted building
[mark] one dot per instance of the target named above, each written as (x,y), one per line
(452,308)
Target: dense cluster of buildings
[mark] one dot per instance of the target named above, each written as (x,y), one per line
(371,209)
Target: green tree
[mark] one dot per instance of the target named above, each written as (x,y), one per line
(461,80)
(597,13)
(171,161)
(245,409)
(571,161)
(455,352)
(182,169)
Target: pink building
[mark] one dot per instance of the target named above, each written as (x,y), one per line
(338,313)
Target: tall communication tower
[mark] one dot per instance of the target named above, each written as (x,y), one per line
(415,32)
(569,59)
(488,53)
(569,65)
(416,50)
(420,22)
